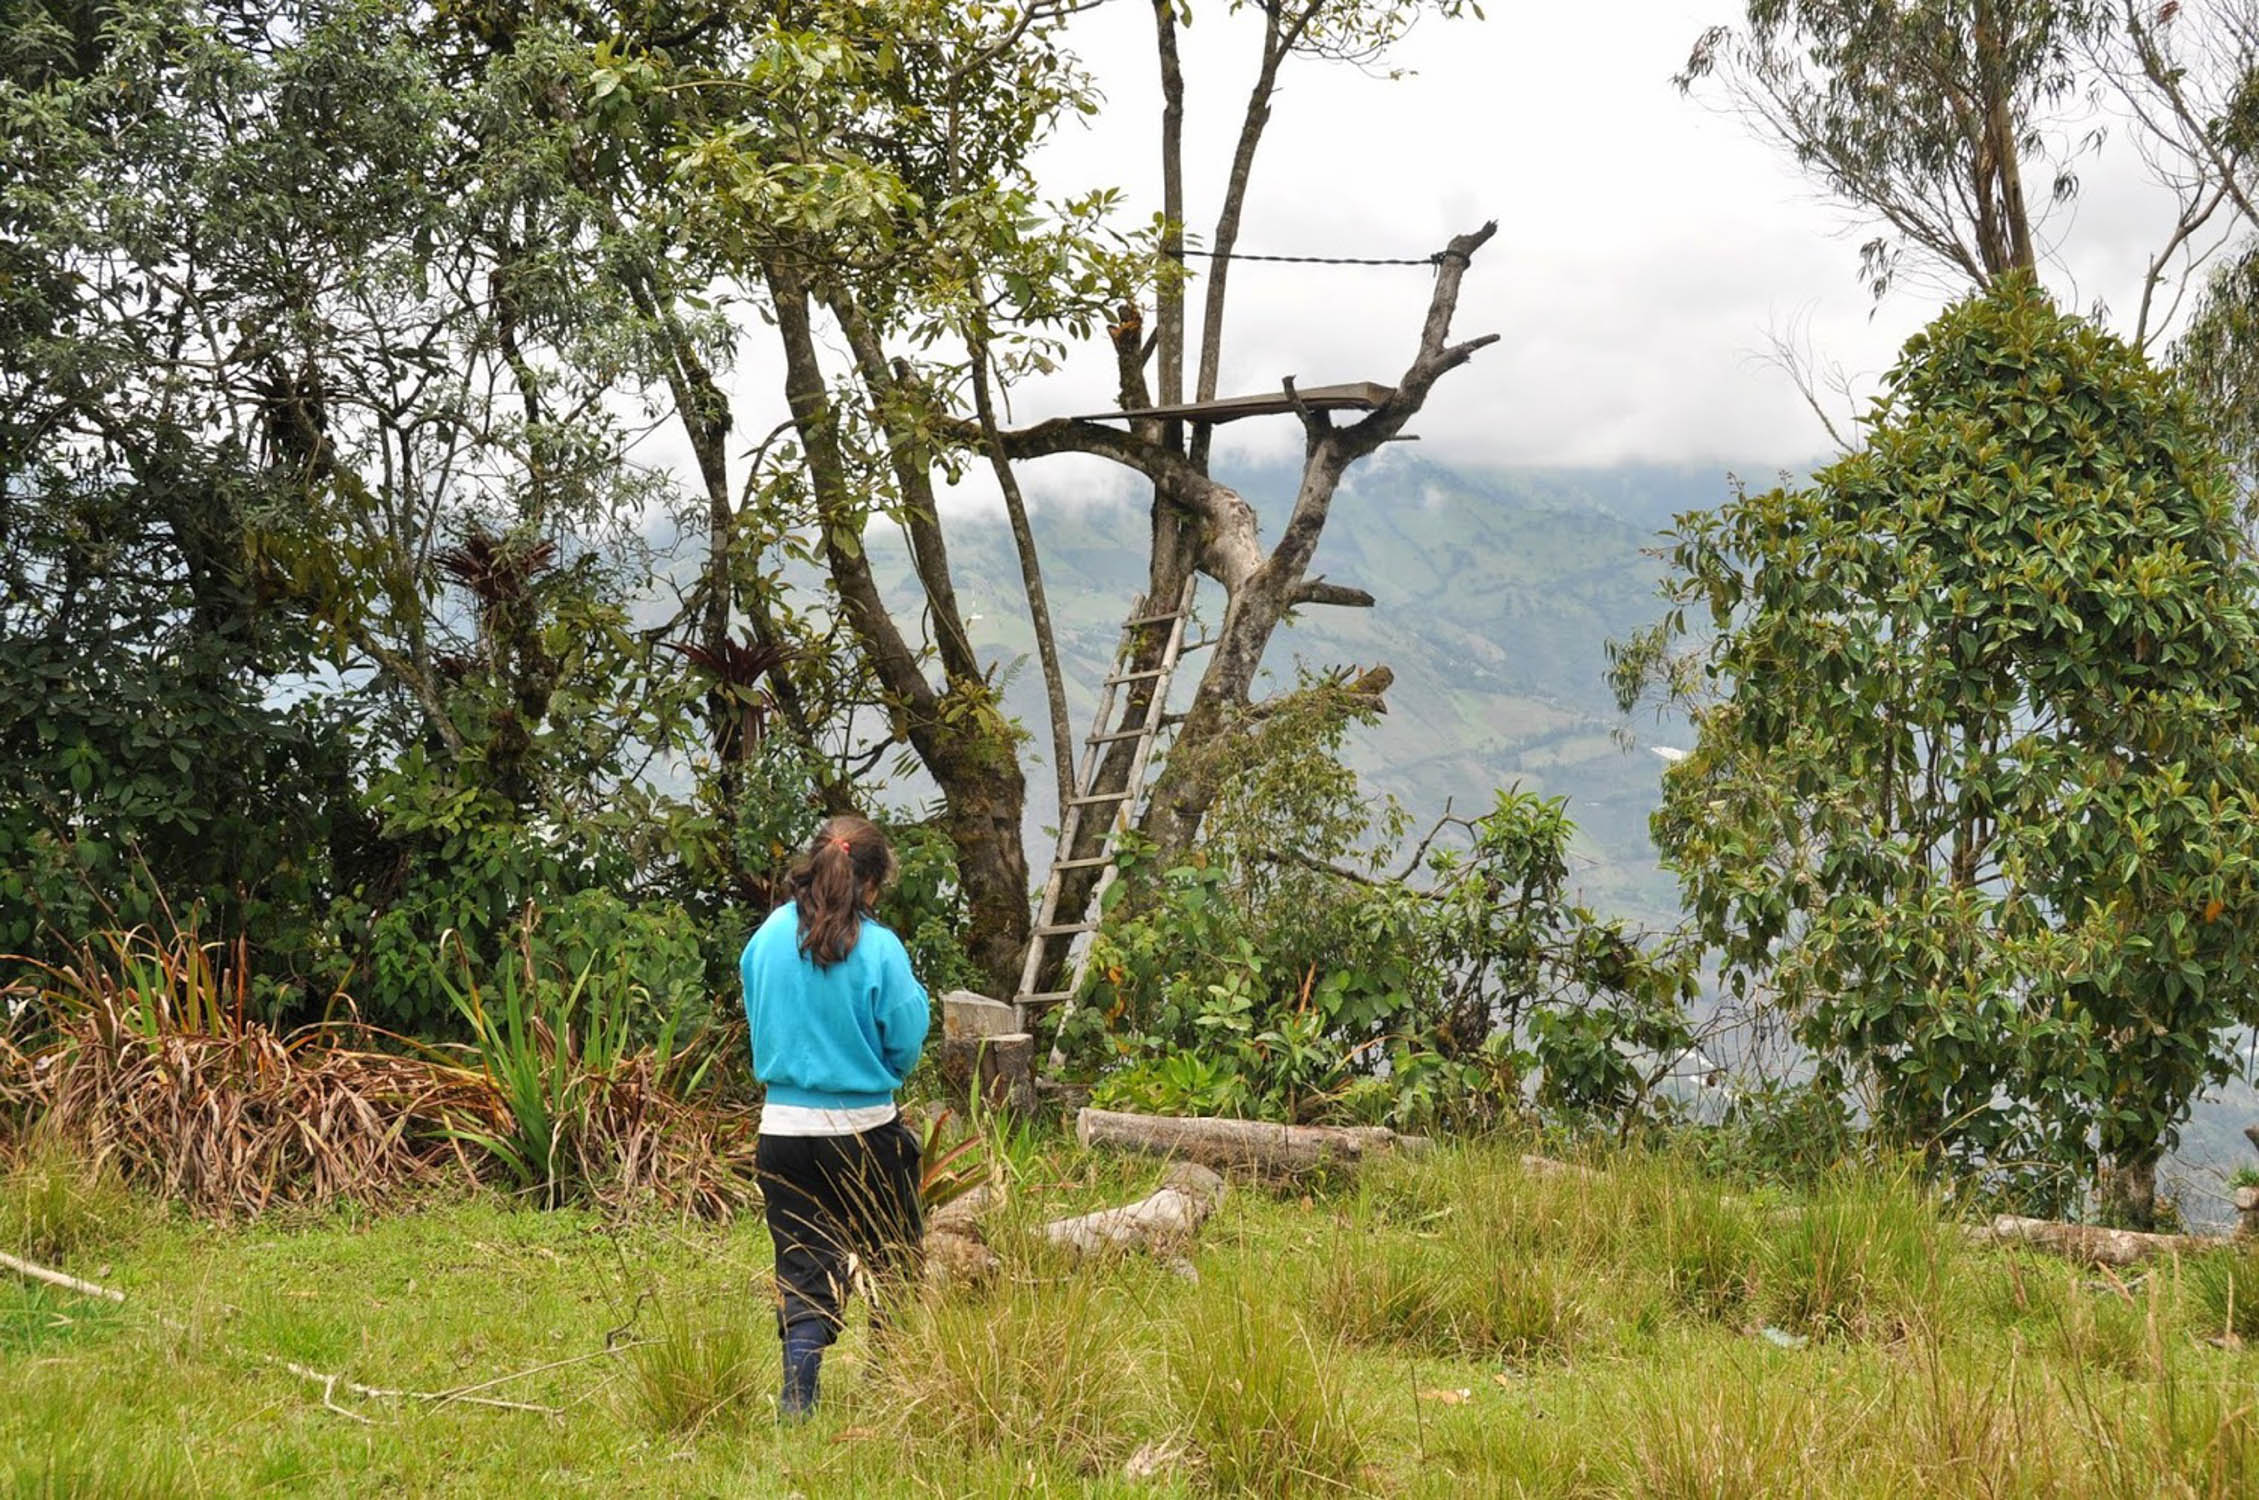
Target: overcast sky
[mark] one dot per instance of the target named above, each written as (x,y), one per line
(1648,244)
(1649,250)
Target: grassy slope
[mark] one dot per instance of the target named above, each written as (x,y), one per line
(1605,1334)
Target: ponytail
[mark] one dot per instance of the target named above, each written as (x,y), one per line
(848,857)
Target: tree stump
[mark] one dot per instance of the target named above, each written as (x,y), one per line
(983,1056)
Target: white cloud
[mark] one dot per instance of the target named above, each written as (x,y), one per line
(1648,247)
(1648,244)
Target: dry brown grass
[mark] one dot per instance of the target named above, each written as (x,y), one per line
(147,1060)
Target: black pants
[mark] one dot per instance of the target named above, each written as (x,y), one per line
(827,1197)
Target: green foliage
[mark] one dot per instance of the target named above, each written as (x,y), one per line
(1782,1133)
(320,536)
(1283,973)
(148,765)
(1975,774)
(551,1042)
(467,871)
(926,908)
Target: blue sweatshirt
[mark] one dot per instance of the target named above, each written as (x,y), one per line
(838,1038)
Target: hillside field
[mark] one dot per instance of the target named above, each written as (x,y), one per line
(1443,1327)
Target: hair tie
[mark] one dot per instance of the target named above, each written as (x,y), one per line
(841,844)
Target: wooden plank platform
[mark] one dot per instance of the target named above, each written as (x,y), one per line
(1361,395)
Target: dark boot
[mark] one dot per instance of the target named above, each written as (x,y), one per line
(803,1359)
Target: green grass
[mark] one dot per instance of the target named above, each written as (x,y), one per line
(1453,1326)
(52,1202)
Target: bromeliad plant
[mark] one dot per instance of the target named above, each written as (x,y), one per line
(585,1108)
(138,1054)
(948,1170)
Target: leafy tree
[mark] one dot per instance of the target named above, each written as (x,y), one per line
(308,401)
(1974,788)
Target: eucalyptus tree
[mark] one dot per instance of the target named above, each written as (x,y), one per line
(1976,777)
(1961,126)
(1931,116)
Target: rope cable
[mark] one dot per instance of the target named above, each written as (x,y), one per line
(1436,259)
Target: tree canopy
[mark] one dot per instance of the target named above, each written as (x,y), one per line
(1976,770)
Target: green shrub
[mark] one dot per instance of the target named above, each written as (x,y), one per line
(2109,1329)
(1045,1367)
(1283,971)
(1452,1302)
(1867,1257)
(1700,1247)
(2224,1293)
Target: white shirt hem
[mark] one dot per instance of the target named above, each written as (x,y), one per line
(799,1119)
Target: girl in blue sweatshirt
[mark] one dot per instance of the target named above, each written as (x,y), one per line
(838,1020)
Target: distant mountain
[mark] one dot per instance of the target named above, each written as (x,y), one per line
(1496,595)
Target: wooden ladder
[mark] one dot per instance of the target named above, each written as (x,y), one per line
(1117,806)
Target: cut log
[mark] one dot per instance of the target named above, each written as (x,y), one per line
(1255,1146)
(2092,1243)
(967,1017)
(999,1069)
(957,1253)
(1164,1221)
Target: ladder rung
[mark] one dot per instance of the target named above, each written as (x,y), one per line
(1136,676)
(1082,864)
(1045,997)
(1150,620)
(1108,739)
(1099,797)
(1060,929)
